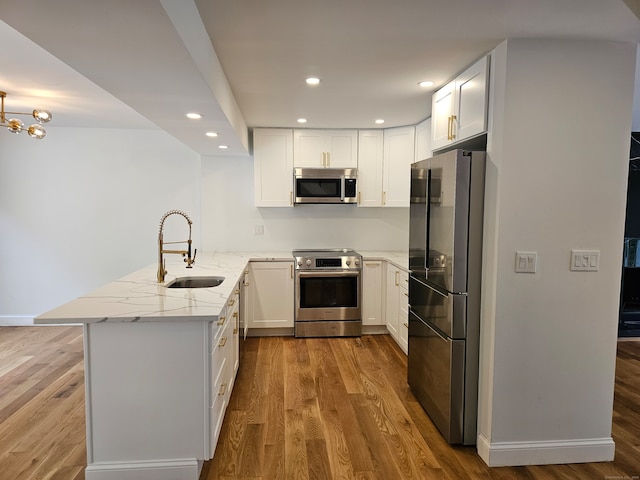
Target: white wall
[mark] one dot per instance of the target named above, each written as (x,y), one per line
(229,217)
(556,181)
(81,208)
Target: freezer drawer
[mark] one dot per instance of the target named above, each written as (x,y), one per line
(445,310)
(436,377)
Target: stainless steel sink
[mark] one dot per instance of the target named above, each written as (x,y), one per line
(195,282)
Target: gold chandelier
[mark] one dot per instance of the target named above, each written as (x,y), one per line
(15,125)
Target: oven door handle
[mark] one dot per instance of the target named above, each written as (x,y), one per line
(326,273)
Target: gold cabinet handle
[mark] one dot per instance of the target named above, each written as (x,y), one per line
(291,270)
(223,388)
(235,331)
(231,301)
(406,325)
(397,282)
(223,342)
(358,198)
(328,159)
(222,320)
(449,127)
(453,119)
(384,198)
(405,294)
(291,198)
(237,291)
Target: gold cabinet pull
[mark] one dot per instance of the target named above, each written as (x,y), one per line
(291,198)
(222,320)
(384,198)
(358,198)
(406,325)
(405,294)
(291,270)
(449,127)
(223,342)
(453,119)
(231,301)
(223,388)
(328,159)
(397,282)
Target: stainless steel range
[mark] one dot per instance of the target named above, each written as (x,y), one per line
(327,293)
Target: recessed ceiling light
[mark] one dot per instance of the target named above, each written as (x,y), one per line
(223,147)
(211,134)
(193,115)
(302,120)
(379,121)
(312,81)
(426,83)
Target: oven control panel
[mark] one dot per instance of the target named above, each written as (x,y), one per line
(318,261)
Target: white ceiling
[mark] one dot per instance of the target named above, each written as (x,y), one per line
(144,64)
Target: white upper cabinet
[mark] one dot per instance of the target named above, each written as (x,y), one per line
(399,154)
(273,167)
(459,109)
(325,148)
(370,167)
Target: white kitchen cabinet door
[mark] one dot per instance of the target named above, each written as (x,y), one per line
(459,109)
(273,167)
(370,167)
(423,140)
(270,300)
(442,110)
(392,300)
(471,101)
(325,148)
(372,288)
(399,153)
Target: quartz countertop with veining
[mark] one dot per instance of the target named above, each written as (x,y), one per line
(138,297)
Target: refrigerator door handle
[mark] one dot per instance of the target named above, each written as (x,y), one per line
(440,292)
(433,330)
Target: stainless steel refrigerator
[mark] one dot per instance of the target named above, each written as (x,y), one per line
(445,259)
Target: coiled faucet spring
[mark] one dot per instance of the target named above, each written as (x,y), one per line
(161,250)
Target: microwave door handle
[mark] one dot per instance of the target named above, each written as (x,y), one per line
(342,187)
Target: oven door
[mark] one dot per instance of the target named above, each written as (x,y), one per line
(327,295)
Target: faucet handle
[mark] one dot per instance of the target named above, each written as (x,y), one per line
(190,261)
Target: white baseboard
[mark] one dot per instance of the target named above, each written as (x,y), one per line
(180,469)
(502,454)
(16,321)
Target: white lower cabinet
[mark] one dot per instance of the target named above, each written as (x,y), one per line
(396,304)
(224,363)
(269,295)
(372,288)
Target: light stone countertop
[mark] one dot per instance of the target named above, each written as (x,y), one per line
(137,297)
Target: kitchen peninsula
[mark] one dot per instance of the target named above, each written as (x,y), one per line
(160,365)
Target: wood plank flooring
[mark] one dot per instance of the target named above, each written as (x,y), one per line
(340,408)
(301,409)
(42,417)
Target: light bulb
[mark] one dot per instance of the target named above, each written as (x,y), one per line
(14,125)
(37,131)
(42,116)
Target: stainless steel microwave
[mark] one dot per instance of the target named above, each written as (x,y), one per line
(325,185)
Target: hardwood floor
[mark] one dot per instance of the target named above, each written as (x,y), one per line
(340,408)
(42,418)
(301,409)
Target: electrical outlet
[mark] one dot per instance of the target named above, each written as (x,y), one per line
(526,262)
(585,260)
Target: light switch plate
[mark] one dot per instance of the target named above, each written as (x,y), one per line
(526,262)
(585,260)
